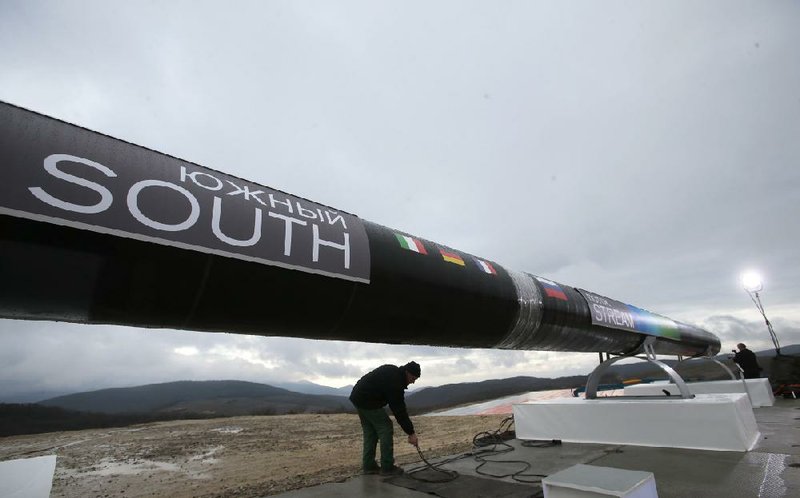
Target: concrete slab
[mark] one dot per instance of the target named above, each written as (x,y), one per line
(680,473)
(545,461)
(779,429)
(358,486)
(465,486)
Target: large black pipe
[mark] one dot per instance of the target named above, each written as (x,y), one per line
(97,230)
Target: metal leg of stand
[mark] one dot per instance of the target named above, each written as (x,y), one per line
(725,367)
(744,382)
(722,365)
(597,373)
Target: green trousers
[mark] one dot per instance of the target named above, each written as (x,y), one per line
(377,426)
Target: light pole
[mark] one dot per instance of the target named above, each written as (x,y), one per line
(752,283)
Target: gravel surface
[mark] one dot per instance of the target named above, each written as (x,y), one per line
(238,456)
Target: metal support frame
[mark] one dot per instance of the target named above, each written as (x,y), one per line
(730,373)
(650,356)
(744,382)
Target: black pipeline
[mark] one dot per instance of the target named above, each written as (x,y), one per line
(97,230)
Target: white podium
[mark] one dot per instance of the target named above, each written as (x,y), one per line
(759,389)
(586,481)
(722,422)
(27,477)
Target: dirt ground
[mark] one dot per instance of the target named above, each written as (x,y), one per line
(239,456)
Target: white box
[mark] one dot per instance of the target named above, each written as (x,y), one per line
(759,389)
(27,477)
(721,422)
(584,481)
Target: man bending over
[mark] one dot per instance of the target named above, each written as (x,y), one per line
(384,385)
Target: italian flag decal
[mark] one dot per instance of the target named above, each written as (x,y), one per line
(410,243)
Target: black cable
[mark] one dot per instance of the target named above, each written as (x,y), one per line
(541,444)
(485,444)
(497,441)
(449,475)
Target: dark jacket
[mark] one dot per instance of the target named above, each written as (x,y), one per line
(384,385)
(747,360)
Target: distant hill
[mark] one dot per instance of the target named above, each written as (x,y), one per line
(17,419)
(791,350)
(203,399)
(434,398)
(307,387)
(29,396)
(222,397)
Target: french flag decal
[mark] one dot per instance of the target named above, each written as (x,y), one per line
(486,266)
(552,289)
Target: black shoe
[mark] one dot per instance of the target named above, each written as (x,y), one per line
(376,470)
(394,470)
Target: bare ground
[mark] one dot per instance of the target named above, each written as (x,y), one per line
(239,456)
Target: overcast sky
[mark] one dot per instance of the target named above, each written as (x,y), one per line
(647,151)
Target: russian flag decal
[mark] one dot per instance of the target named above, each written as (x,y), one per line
(552,289)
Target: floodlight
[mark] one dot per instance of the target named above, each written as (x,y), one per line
(751,281)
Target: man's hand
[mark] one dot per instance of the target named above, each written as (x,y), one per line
(412,440)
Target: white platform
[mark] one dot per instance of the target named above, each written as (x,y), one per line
(759,389)
(722,422)
(584,481)
(27,477)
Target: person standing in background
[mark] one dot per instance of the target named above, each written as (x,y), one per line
(746,359)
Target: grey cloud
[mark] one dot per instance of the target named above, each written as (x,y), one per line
(754,333)
(465,364)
